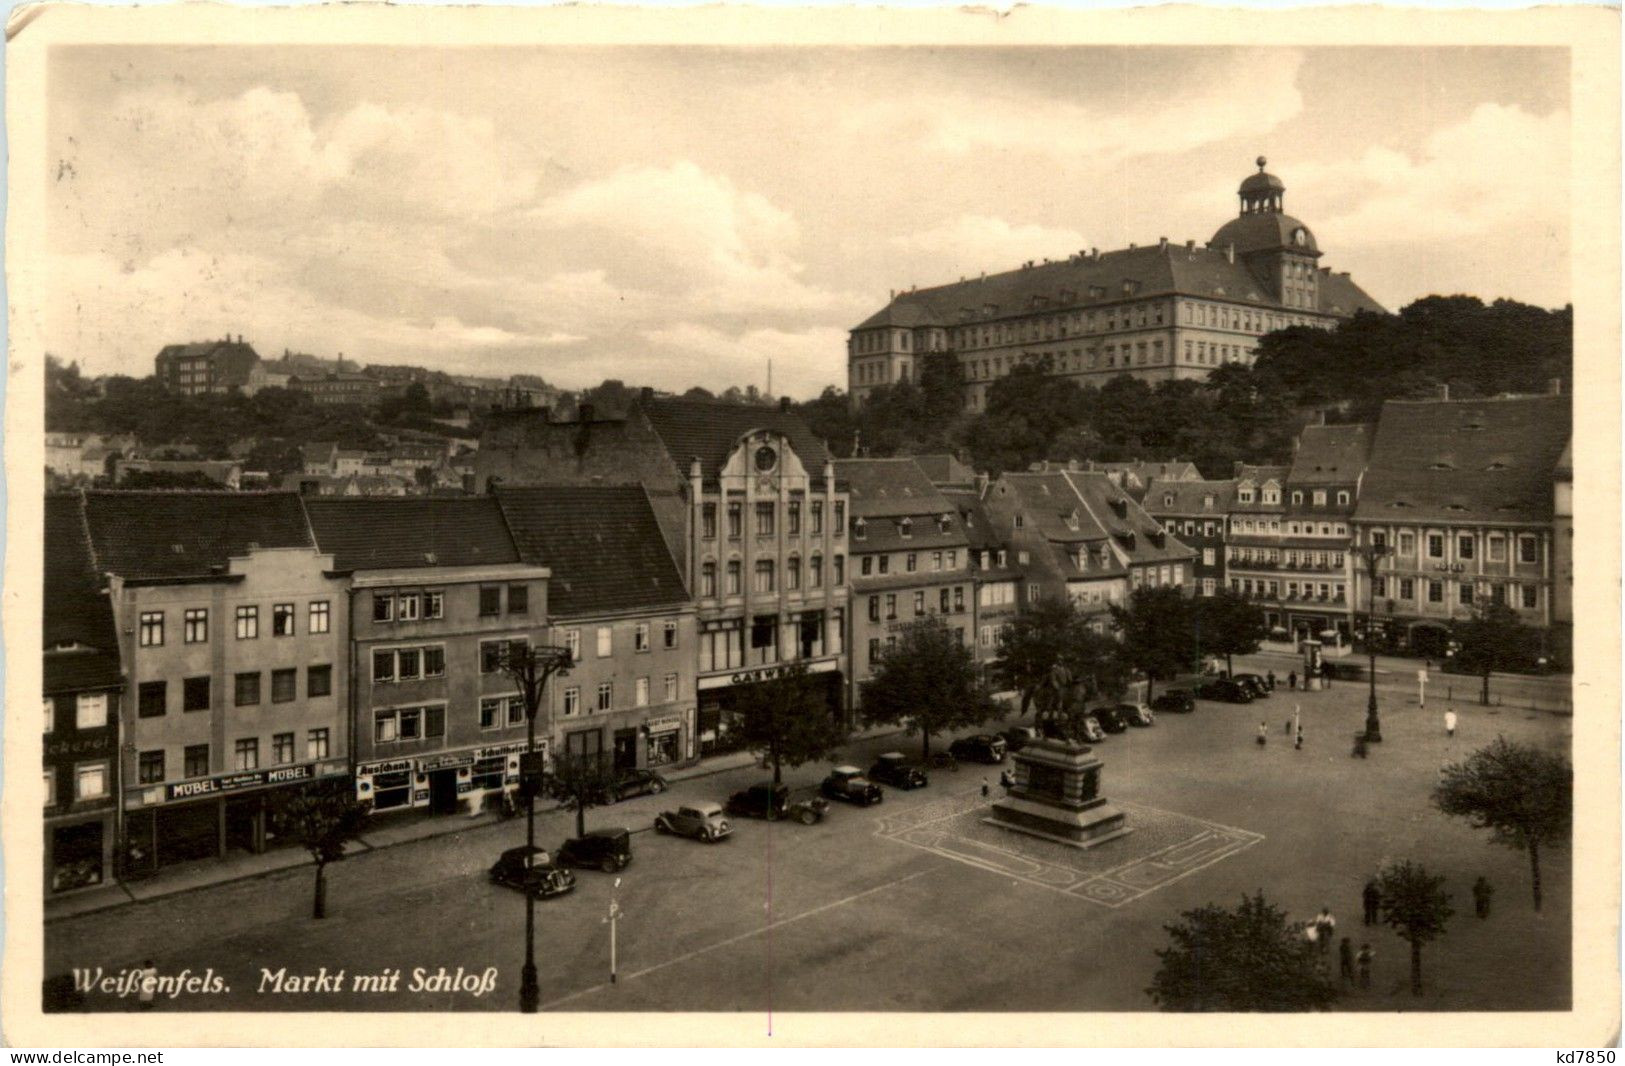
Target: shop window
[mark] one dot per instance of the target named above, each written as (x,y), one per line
(195,694)
(321,616)
(247,689)
(150,767)
(248,623)
(285,685)
(318,681)
(90,781)
(282,748)
(152,698)
(246,754)
(197,760)
(196,625)
(490,601)
(282,620)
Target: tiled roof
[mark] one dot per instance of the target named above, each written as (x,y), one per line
(973,518)
(75,609)
(1331,455)
(1465,460)
(601,542)
(945,469)
(188,534)
(1084,282)
(80,671)
(398,532)
(889,488)
(1097,492)
(709,430)
(1188,496)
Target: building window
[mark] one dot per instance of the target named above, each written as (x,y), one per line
(1527,594)
(518,599)
(1407,588)
(197,760)
(919,604)
(1407,544)
(708,521)
(90,781)
(764,519)
(1342,498)
(882,561)
(383,607)
(818,516)
(196,625)
(671,687)
(874,608)
(385,728)
(282,748)
(910,562)
(640,637)
(1465,593)
(1032,593)
(495,654)
(859,529)
(150,770)
(318,681)
(762,580)
(572,642)
(606,642)
(282,620)
(891,606)
(406,607)
(195,694)
(942,597)
(516,716)
(1435,591)
(1464,546)
(285,685)
(1497,549)
(736,520)
(668,630)
(434,605)
(640,695)
(606,695)
(572,701)
(840,517)
(792,518)
(708,579)
(734,577)
(90,710)
(316,744)
(1435,546)
(840,570)
(246,755)
(490,601)
(959,598)
(152,699)
(247,689)
(248,623)
(1527,549)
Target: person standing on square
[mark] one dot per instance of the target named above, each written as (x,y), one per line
(1450,723)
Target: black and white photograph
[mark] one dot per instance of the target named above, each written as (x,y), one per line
(814,523)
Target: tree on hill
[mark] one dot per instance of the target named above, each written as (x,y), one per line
(831,420)
(193,480)
(786,719)
(928,683)
(1228,625)
(1156,631)
(1243,960)
(1523,795)
(1414,903)
(1494,638)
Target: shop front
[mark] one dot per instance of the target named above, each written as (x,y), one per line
(78,853)
(79,826)
(719,692)
(444,782)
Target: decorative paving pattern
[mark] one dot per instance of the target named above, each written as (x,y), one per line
(1163,848)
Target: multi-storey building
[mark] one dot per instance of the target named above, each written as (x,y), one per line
(1563,539)
(437,595)
(995,577)
(616,600)
(1316,567)
(747,498)
(1197,512)
(1253,548)
(1076,534)
(1462,492)
(338,388)
(232,635)
(83,686)
(1162,312)
(206,367)
(1135,476)
(909,557)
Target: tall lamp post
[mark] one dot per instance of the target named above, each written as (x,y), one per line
(530,669)
(1371,553)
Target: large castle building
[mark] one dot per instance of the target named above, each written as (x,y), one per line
(1159,312)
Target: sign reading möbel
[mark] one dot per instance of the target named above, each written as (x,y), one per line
(279,775)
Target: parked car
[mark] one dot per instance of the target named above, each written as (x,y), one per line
(847,783)
(542,879)
(943,760)
(702,821)
(1018,737)
(1137,714)
(1093,732)
(894,770)
(773,803)
(1226,690)
(608,850)
(1175,701)
(981,747)
(1111,719)
(1255,683)
(636,783)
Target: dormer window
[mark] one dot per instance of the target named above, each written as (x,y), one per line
(858,526)
(1019,521)
(1244,493)
(1168,499)
(1272,495)
(1072,520)
(1207,503)
(905,528)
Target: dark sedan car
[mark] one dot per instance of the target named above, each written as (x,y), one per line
(982,747)
(1225,690)
(894,770)
(773,803)
(1175,701)
(1018,737)
(1111,719)
(608,850)
(542,879)
(1255,684)
(636,783)
(847,783)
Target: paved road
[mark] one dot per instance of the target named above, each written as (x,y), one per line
(909,906)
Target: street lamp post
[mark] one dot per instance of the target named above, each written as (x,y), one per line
(530,668)
(1371,553)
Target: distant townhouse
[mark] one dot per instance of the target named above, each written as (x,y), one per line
(1463,495)
(206,367)
(992,572)
(338,388)
(909,556)
(320,458)
(268,375)
(1135,476)
(83,694)
(232,635)
(1197,512)
(748,499)
(1316,566)
(438,594)
(1253,549)
(617,601)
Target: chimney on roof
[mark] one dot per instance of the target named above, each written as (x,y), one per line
(1094,253)
(1554,387)
(1120,507)
(646,394)
(1162,244)
(1132,246)
(1444,392)
(1190,247)
(784,403)
(1230,252)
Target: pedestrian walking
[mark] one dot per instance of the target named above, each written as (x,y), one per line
(1297,744)
(1007,779)
(1292,681)
(149,984)
(984,786)
(1481,897)
(1326,926)
(1363,960)
(1359,745)
(1263,734)
(1371,896)
(1450,723)
(1269,679)
(1287,729)
(1345,960)
(1326,674)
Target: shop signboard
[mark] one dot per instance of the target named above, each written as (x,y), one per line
(85,744)
(764,673)
(236,782)
(445,761)
(669,724)
(389,767)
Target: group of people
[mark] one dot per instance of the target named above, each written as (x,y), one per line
(1325,672)
(1322,929)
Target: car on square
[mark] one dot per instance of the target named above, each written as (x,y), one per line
(980,747)
(698,821)
(1175,701)
(1111,719)
(608,850)
(847,784)
(540,878)
(1137,714)
(773,803)
(1225,690)
(895,770)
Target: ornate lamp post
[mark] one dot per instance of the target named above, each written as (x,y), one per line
(530,669)
(1371,553)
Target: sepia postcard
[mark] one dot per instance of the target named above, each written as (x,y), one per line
(743,526)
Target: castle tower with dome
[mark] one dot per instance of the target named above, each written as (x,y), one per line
(1162,311)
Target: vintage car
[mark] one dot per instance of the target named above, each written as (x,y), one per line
(1225,689)
(1018,737)
(848,784)
(608,850)
(773,803)
(1111,719)
(1137,714)
(981,747)
(702,821)
(1093,732)
(635,783)
(895,770)
(1175,701)
(1256,684)
(542,879)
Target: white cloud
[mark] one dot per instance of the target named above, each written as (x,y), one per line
(803,362)
(972,243)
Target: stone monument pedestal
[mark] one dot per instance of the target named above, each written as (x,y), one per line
(1056,797)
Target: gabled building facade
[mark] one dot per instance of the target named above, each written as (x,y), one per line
(206,367)
(1198,513)
(1254,547)
(1317,567)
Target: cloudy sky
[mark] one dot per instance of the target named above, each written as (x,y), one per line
(673,216)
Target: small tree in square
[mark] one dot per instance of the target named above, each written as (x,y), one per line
(786,719)
(1247,959)
(1523,795)
(927,682)
(1032,644)
(1157,632)
(583,780)
(1415,904)
(324,818)
(1494,638)
(1227,624)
